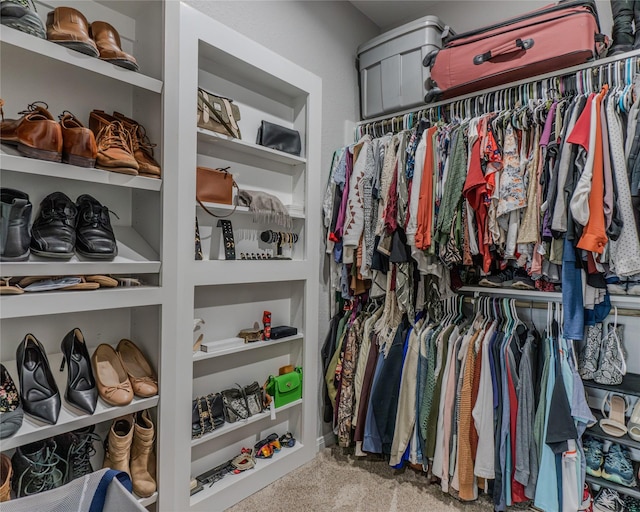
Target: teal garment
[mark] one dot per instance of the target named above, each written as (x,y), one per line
(547,496)
(452,194)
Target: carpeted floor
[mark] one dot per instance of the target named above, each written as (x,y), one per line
(334,481)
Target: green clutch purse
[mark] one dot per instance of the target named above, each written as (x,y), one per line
(286,388)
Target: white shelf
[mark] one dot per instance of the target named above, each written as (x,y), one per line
(225,209)
(145,502)
(217,272)
(70,418)
(11,160)
(55,302)
(135,256)
(208,140)
(234,345)
(47,49)
(262,465)
(230,427)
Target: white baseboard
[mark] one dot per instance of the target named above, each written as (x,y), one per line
(325,441)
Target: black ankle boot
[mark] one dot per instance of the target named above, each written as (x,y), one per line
(15,215)
(35,468)
(75,450)
(622,31)
(53,234)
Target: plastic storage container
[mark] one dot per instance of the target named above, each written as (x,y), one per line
(392,76)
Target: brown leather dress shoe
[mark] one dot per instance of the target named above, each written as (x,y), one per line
(68,27)
(115,148)
(142,147)
(36,134)
(78,142)
(142,377)
(111,377)
(108,42)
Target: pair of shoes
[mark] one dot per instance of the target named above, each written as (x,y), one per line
(123,145)
(68,27)
(38,135)
(608,500)
(625,13)
(69,283)
(18,14)
(123,372)
(62,226)
(129,448)
(11,412)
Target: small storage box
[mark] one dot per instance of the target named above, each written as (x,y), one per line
(392,76)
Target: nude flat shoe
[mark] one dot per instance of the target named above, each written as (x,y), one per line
(143,379)
(111,377)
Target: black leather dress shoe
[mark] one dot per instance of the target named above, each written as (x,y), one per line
(15,215)
(95,238)
(53,233)
(38,390)
(81,386)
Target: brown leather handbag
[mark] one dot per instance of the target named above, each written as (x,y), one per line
(214,186)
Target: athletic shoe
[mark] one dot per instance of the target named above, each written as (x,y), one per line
(608,500)
(522,281)
(593,455)
(502,278)
(618,467)
(19,14)
(587,500)
(631,504)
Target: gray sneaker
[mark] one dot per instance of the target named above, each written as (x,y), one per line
(608,500)
(19,14)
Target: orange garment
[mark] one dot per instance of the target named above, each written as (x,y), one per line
(594,237)
(466,478)
(425,198)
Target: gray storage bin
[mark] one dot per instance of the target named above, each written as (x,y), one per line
(392,76)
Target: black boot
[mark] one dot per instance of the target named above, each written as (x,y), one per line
(75,450)
(95,238)
(15,215)
(53,233)
(35,468)
(622,26)
(636,24)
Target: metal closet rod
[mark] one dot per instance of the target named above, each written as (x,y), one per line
(524,304)
(598,67)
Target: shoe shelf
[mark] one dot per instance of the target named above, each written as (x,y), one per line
(209,141)
(275,467)
(596,431)
(56,302)
(145,502)
(214,272)
(46,49)
(70,418)
(234,345)
(135,256)
(630,385)
(226,209)
(622,489)
(10,160)
(230,427)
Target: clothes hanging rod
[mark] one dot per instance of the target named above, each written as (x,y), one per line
(524,304)
(510,85)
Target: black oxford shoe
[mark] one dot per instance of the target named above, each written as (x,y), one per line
(95,238)
(53,234)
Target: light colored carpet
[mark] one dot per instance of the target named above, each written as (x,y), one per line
(335,481)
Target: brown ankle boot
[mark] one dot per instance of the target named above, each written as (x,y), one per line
(144,485)
(68,27)
(118,450)
(115,151)
(5,478)
(142,147)
(108,42)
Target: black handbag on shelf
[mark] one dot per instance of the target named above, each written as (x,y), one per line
(207,414)
(278,137)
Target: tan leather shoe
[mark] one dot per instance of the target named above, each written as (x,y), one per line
(108,42)
(68,27)
(5,478)
(142,377)
(118,448)
(111,378)
(144,484)
(36,134)
(78,142)
(142,147)
(115,149)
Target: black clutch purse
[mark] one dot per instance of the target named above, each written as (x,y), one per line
(282,331)
(207,414)
(278,137)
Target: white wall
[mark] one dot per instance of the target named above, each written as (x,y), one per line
(321,37)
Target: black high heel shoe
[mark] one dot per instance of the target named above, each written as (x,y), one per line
(38,390)
(81,385)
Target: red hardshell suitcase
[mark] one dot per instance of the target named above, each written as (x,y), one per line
(551,38)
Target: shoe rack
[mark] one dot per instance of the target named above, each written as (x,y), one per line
(35,69)
(230,295)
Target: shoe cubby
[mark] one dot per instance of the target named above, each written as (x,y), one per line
(138,324)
